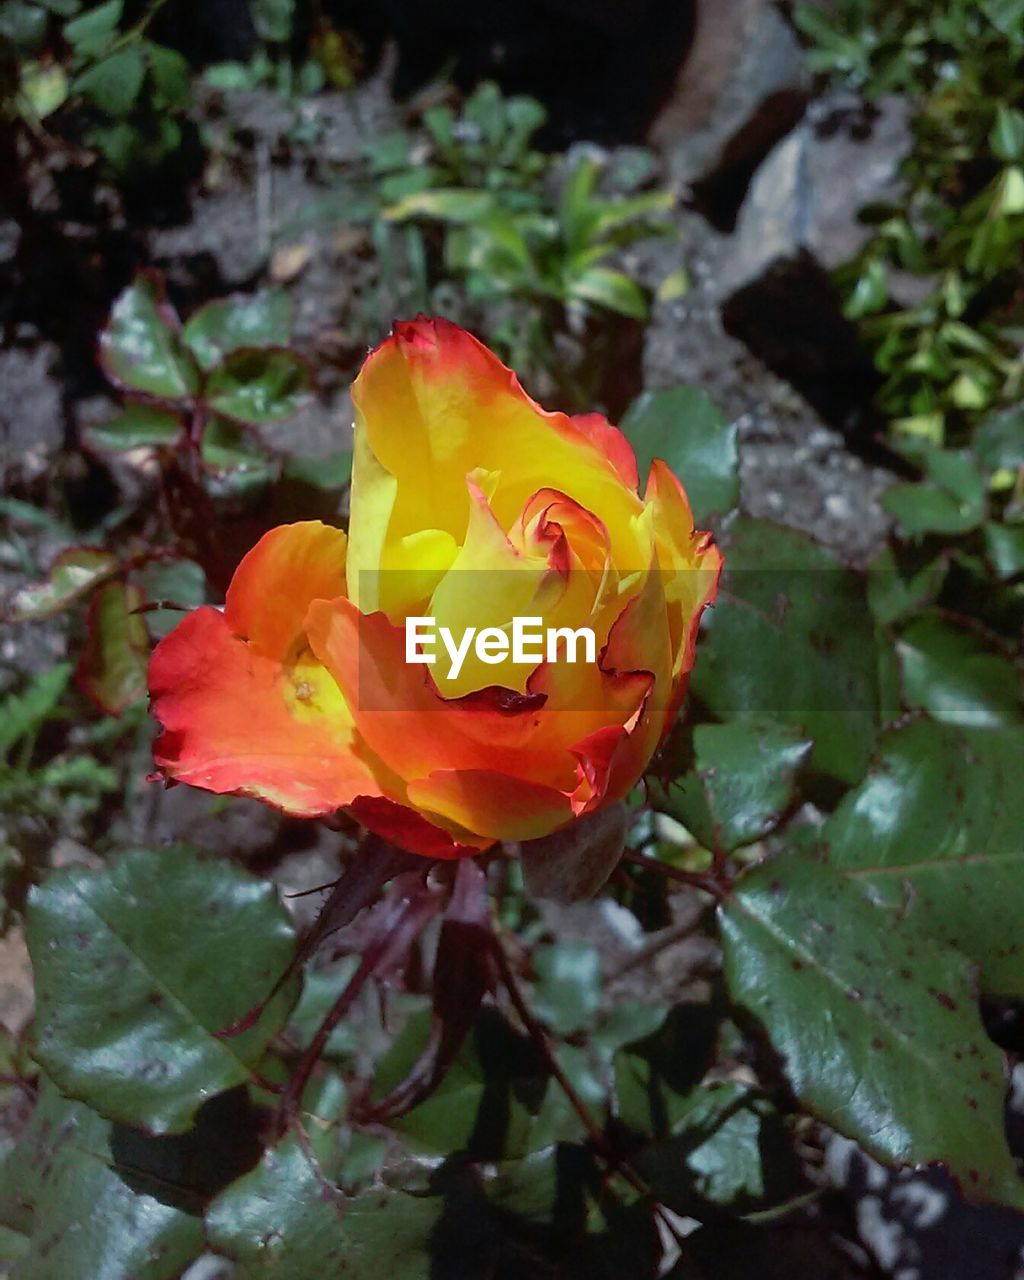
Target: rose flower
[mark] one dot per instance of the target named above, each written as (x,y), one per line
(471,506)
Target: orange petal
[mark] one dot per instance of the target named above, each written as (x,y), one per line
(410,830)
(504,807)
(272,587)
(235,720)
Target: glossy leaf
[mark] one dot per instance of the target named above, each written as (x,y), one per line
(876,1026)
(112,669)
(286,1221)
(742,781)
(244,320)
(259,384)
(683,427)
(137,426)
(63,1188)
(936,832)
(951,673)
(140,348)
(74,574)
(791,640)
(139,966)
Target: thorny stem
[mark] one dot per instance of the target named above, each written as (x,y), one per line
(539,1036)
(715,883)
(300,1076)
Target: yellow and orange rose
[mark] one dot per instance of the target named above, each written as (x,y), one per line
(470,504)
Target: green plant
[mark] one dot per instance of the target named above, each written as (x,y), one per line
(469,219)
(953,363)
(54,777)
(959,224)
(130,92)
(195,396)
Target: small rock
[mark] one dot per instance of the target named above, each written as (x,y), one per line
(798,223)
(743,85)
(289,262)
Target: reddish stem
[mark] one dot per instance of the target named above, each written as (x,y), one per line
(715,883)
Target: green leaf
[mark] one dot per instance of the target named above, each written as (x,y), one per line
(329,474)
(44,87)
(952,674)
(936,832)
(1006,15)
(730,1148)
(925,508)
(113,84)
(999,441)
(23,713)
(567,994)
(656,1076)
(140,348)
(72,575)
(137,426)
(91,32)
(244,320)
(609,289)
(1004,547)
(951,501)
(23,25)
(181,583)
(137,969)
(683,427)
(260,384)
(63,1189)
(876,1026)
(496,1101)
(791,640)
(742,781)
(172,77)
(286,1221)
(229,447)
(112,669)
(273,19)
(1007,136)
(897,588)
(445,204)
(870,294)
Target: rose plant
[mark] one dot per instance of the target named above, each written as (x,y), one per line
(471,504)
